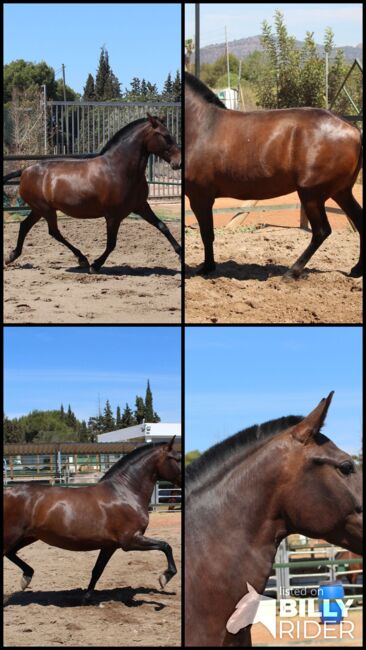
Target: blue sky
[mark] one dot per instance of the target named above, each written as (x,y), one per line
(240,376)
(244,20)
(47,366)
(143,40)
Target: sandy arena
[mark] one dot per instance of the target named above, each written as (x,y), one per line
(139,283)
(247,286)
(129,608)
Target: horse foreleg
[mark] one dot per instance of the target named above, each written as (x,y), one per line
(53,230)
(25,227)
(113,224)
(315,212)
(101,563)
(147,213)
(204,215)
(141,543)
(27,570)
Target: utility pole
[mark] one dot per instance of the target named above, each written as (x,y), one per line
(227,59)
(197,41)
(64,84)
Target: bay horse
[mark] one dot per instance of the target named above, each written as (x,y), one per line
(246,494)
(112,184)
(107,516)
(264,154)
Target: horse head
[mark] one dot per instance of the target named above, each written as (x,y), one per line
(169,464)
(322,485)
(161,142)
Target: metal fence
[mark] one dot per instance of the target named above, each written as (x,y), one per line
(294,575)
(71,128)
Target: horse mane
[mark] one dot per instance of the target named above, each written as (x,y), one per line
(123,463)
(202,90)
(122,133)
(241,442)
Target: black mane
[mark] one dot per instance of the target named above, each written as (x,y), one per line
(122,133)
(126,460)
(242,441)
(200,89)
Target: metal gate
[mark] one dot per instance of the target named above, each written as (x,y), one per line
(85,127)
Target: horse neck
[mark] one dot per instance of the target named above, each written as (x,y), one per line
(242,512)
(199,113)
(131,152)
(140,478)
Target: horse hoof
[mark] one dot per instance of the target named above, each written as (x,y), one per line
(87,598)
(24,582)
(290,276)
(11,258)
(83,262)
(163,580)
(93,269)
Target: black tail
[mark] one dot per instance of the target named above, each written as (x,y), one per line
(12,175)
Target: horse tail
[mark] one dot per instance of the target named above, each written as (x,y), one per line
(16,174)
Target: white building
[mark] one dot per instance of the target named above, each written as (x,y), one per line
(145,432)
(229,97)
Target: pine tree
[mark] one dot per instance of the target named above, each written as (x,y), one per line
(148,411)
(102,75)
(168,88)
(128,419)
(108,419)
(152,91)
(89,89)
(83,435)
(143,89)
(70,418)
(62,412)
(177,88)
(139,409)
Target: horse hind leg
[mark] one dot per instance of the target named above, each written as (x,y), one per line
(51,218)
(353,210)
(315,212)
(24,229)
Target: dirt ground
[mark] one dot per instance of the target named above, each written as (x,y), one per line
(247,286)
(139,283)
(324,635)
(129,608)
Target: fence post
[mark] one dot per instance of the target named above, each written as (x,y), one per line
(283,573)
(45,116)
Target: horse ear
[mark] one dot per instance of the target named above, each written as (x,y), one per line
(153,121)
(311,425)
(162,119)
(170,446)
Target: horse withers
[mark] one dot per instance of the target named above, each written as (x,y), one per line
(112,185)
(264,154)
(111,515)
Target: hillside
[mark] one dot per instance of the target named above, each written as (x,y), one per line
(244,46)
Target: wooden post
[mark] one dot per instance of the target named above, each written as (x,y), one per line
(304,223)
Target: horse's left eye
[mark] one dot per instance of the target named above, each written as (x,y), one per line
(346,468)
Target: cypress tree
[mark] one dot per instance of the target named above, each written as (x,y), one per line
(118,418)
(168,88)
(148,411)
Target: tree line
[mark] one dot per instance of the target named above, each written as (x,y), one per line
(62,425)
(284,75)
(24,77)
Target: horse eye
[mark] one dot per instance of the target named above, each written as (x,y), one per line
(346,468)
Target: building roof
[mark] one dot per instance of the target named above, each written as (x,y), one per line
(146,431)
(118,447)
